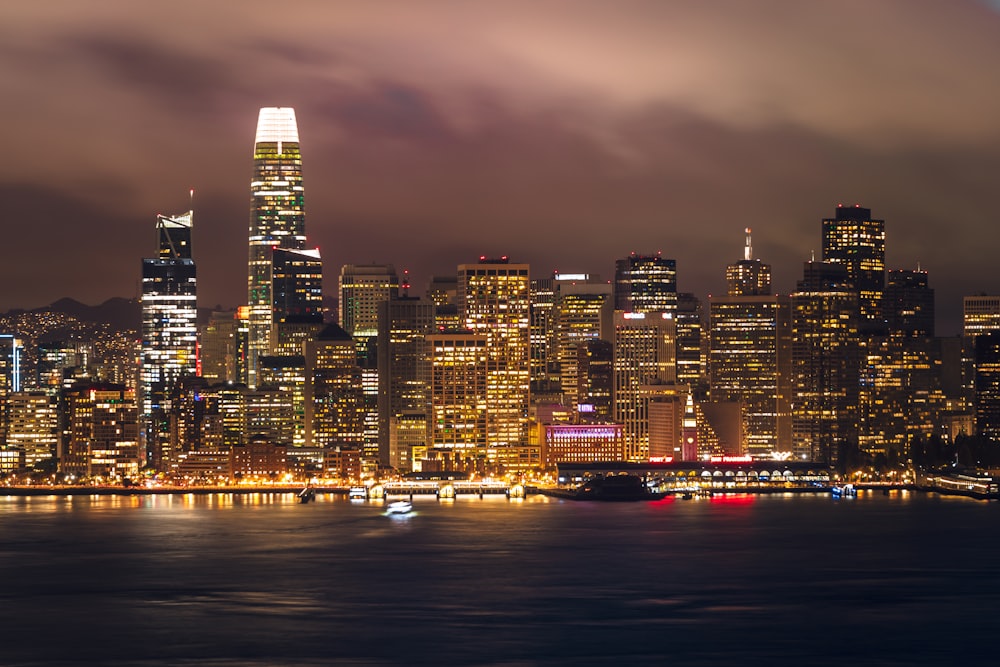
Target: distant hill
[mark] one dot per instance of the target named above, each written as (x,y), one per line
(118,312)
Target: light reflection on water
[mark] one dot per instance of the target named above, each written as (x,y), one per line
(260,579)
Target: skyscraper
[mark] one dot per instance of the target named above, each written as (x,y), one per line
(749,276)
(494,298)
(824,363)
(404,377)
(857,241)
(750,363)
(277,219)
(750,354)
(297,295)
(645,284)
(169,327)
(362,288)
(644,361)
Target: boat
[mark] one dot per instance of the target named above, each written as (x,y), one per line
(845,491)
(358,493)
(616,488)
(307,494)
(399,507)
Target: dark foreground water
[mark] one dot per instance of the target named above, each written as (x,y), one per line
(260,580)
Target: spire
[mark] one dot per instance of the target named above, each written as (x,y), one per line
(748,251)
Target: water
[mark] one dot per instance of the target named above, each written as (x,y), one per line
(261,580)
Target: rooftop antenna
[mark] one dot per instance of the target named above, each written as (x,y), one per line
(748,251)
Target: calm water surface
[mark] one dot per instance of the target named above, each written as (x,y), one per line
(261,580)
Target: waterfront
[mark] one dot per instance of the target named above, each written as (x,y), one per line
(259,579)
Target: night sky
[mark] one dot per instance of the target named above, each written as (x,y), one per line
(564,134)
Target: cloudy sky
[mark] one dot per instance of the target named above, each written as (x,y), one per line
(565,134)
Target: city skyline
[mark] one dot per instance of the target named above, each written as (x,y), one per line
(443,132)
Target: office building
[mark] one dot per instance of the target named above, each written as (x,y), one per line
(169,327)
(750,363)
(297,289)
(645,284)
(335,402)
(277,220)
(494,298)
(749,276)
(100,437)
(825,364)
(644,358)
(857,241)
(362,288)
(404,377)
(33,426)
(980,314)
(460,362)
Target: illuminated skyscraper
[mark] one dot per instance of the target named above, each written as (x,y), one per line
(750,354)
(34,425)
(169,327)
(404,382)
(277,219)
(644,357)
(908,306)
(750,363)
(583,313)
(749,276)
(645,284)
(100,437)
(824,363)
(691,343)
(980,314)
(494,298)
(335,401)
(459,394)
(854,239)
(297,288)
(362,288)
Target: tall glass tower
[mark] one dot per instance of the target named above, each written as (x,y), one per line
(277,220)
(169,329)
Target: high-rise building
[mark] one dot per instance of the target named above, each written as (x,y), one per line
(297,288)
(494,298)
(824,363)
(908,305)
(33,425)
(750,363)
(404,377)
(901,394)
(595,380)
(100,436)
(169,326)
(987,388)
(691,343)
(749,276)
(286,374)
(980,314)
(644,357)
(362,288)
(857,241)
(459,395)
(335,402)
(542,325)
(10,373)
(219,339)
(646,284)
(584,312)
(277,220)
